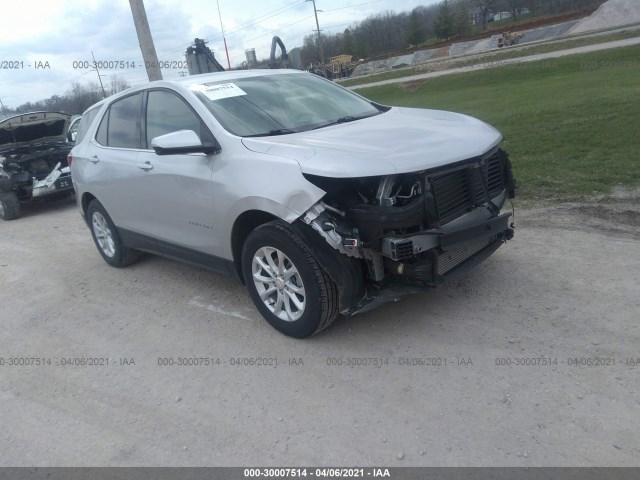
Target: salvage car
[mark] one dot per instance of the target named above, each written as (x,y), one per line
(33,160)
(321,202)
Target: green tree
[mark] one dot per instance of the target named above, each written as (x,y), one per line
(444,23)
(361,48)
(415,30)
(347,42)
(461,18)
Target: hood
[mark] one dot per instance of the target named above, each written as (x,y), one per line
(399,141)
(36,127)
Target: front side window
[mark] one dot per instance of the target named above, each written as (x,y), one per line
(166,113)
(280,104)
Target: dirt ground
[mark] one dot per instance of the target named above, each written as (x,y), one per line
(529,360)
(611,14)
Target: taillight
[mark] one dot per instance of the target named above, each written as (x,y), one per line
(69,159)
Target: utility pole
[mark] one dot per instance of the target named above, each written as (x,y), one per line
(146,40)
(95,64)
(315,12)
(223,37)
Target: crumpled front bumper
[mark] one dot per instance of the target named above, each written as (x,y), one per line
(457,251)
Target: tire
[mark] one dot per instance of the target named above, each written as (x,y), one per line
(105,236)
(300,299)
(9,205)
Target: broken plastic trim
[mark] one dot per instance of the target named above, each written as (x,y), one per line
(346,272)
(319,219)
(48,185)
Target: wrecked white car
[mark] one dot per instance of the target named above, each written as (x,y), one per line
(33,160)
(320,201)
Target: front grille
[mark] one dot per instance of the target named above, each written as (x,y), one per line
(397,248)
(457,191)
(404,249)
(451,259)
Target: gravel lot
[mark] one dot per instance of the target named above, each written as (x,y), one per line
(611,14)
(566,288)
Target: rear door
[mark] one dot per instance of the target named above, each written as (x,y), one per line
(110,166)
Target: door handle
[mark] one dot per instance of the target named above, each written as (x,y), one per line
(145,166)
(94,159)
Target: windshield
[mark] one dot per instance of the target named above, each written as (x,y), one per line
(281,104)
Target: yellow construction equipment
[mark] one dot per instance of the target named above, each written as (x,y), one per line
(341,65)
(509,38)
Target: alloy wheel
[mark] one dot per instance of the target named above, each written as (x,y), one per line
(279,284)
(104,237)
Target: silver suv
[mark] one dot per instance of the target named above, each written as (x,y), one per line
(320,201)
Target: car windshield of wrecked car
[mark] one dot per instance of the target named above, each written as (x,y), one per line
(281,104)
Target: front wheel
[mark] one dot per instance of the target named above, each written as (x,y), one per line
(107,239)
(9,205)
(286,283)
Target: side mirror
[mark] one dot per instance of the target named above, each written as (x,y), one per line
(181,142)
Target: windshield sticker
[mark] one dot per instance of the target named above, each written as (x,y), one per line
(219,91)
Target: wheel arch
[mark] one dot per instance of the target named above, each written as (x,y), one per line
(344,271)
(245,223)
(87,198)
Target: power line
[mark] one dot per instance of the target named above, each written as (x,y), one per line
(247,42)
(272,32)
(289,39)
(266,16)
(242,26)
(126,74)
(351,6)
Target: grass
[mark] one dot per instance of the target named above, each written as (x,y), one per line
(405,72)
(571,125)
(521,51)
(431,41)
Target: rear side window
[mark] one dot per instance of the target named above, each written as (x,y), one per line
(166,113)
(101,135)
(85,123)
(120,126)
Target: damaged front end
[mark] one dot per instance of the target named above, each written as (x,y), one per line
(36,173)
(413,231)
(33,158)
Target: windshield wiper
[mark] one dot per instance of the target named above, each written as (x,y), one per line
(352,118)
(347,119)
(278,131)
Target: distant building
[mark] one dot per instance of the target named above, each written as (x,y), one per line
(501,16)
(252,60)
(504,15)
(475,15)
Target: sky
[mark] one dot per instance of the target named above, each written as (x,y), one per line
(45,44)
